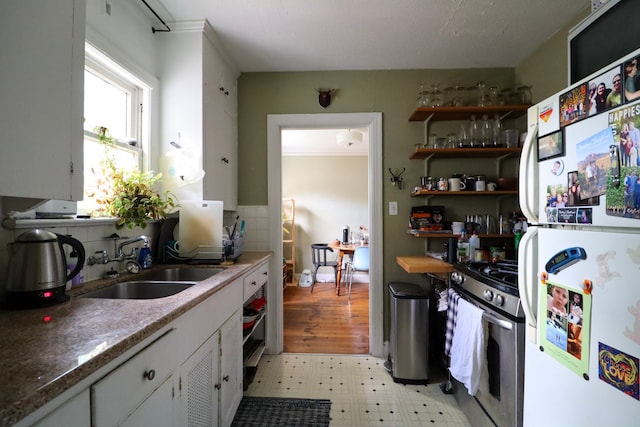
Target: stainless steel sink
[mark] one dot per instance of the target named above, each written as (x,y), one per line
(140,289)
(156,283)
(181,274)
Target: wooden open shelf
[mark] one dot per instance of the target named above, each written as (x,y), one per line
(464,153)
(421,114)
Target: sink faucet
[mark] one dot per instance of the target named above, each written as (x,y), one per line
(103,257)
(120,254)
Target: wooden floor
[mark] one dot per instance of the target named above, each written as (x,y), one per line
(323,323)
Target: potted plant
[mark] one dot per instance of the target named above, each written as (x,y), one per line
(129,196)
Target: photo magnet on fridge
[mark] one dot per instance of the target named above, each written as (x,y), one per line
(550,146)
(601,93)
(594,162)
(619,370)
(573,105)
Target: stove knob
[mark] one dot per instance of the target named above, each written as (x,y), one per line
(488,295)
(457,278)
(499,300)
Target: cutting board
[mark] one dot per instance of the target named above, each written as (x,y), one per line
(200,228)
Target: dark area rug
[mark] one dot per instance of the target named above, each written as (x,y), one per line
(277,411)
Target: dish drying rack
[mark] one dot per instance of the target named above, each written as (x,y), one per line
(204,254)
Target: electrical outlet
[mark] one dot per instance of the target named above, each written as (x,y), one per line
(393,208)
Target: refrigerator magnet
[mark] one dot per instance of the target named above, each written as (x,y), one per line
(550,146)
(573,105)
(619,369)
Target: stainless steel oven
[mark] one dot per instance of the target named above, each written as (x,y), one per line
(493,287)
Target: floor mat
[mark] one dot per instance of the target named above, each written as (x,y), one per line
(277,411)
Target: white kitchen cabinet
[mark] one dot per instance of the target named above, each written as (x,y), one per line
(198,384)
(200,104)
(41,107)
(230,368)
(143,383)
(74,412)
(211,378)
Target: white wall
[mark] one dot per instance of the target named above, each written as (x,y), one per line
(330,191)
(126,36)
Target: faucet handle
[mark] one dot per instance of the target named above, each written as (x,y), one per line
(104,258)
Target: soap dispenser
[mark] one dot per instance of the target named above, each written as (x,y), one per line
(144,257)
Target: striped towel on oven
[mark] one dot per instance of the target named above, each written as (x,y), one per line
(452,314)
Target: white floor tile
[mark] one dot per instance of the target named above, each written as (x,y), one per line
(362,393)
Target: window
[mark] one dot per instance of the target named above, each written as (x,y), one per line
(113,99)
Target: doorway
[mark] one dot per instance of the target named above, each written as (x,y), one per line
(373,123)
(324,188)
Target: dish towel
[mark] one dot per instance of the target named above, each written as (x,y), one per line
(452,312)
(468,346)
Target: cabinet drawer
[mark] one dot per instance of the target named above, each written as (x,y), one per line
(116,395)
(252,283)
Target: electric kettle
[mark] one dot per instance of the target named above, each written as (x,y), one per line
(37,273)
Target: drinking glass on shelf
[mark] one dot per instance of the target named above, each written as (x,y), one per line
(482,94)
(525,94)
(423,97)
(463,136)
(436,95)
(492,95)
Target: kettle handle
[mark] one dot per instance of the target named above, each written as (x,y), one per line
(77,245)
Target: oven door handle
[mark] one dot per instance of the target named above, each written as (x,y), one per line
(498,322)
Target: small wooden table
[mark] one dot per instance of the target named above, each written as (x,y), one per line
(343,249)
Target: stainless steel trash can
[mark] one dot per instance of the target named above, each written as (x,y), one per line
(409,346)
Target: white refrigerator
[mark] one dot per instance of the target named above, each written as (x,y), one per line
(579,261)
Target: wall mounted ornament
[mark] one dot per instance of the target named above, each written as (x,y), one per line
(324,97)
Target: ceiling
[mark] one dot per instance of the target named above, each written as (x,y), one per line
(319,35)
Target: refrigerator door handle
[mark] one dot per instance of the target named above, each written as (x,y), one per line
(527,185)
(528,279)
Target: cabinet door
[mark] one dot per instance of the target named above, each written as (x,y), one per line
(155,410)
(199,386)
(42,98)
(119,393)
(74,412)
(219,145)
(231,368)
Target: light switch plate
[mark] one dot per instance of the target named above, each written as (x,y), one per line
(393,208)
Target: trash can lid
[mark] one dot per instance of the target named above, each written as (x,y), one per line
(407,290)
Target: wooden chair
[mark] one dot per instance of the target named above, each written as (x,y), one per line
(319,259)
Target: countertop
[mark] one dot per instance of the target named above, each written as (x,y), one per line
(423,264)
(46,351)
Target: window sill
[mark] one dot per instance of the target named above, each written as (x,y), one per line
(15,224)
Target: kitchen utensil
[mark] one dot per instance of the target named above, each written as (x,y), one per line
(37,273)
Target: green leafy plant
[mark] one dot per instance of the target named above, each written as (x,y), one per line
(129,196)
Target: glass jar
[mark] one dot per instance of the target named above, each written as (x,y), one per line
(525,95)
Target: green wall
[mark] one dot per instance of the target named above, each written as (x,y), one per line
(393,93)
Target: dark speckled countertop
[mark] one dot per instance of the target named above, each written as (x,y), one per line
(46,351)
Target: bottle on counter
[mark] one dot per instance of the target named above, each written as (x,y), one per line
(144,256)
(463,248)
(474,243)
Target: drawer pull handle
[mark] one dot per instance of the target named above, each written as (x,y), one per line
(150,374)
(218,386)
(254,283)
(226,378)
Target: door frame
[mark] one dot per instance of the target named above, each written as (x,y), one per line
(275,124)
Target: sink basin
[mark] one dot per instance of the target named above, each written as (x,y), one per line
(182,274)
(140,289)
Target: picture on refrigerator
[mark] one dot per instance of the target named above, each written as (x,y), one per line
(567,327)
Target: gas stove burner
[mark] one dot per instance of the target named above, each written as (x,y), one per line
(505,272)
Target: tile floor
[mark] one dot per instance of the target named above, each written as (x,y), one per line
(361,391)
